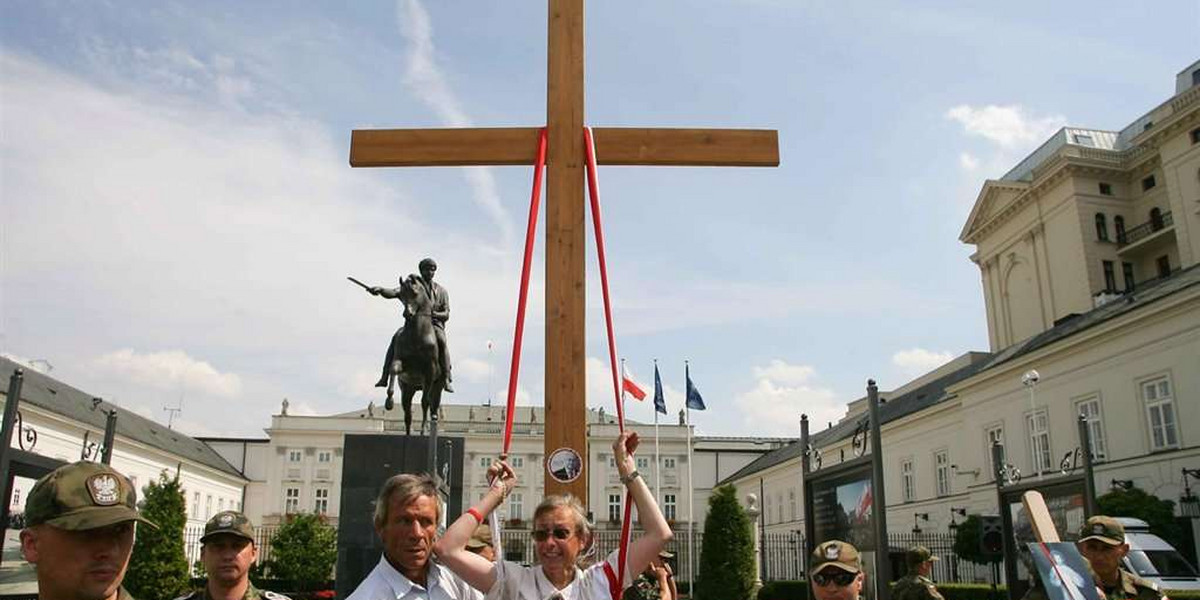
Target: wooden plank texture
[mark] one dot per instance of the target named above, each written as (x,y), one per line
(665,147)
(565,377)
(1039,517)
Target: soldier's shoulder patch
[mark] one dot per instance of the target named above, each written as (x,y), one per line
(269,595)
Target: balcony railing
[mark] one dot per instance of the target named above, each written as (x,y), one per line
(1154,224)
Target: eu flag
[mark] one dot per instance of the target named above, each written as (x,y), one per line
(694,401)
(660,403)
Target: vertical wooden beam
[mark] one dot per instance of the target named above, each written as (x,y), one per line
(566,408)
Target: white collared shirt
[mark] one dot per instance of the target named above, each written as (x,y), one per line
(516,582)
(386,583)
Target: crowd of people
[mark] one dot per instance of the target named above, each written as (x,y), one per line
(81,522)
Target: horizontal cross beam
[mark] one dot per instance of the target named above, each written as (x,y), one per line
(517,146)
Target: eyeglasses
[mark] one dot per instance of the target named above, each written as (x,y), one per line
(841,579)
(559,533)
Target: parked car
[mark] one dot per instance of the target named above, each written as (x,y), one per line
(1153,559)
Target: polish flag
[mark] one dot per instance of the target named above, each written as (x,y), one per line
(632,388)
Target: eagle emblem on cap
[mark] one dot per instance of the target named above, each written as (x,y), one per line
(226,520)
(104,489)
(1097,528)
(832,551)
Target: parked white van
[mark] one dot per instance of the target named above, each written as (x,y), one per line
(1153,559)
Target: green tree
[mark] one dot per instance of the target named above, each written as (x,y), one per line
(966,542)
(158,568)
(727,553)
(303,551)
(1136,503)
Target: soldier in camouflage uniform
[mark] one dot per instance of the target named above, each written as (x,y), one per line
(657,582)
(227,550)
(917,585)
(79,532)
(1102,542)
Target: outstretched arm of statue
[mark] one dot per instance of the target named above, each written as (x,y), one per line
(376,290)
(451,548)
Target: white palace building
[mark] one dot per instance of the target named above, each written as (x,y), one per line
(1089,257)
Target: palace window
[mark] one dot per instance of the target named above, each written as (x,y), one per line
(1101,227)
(643,462)
(1090,409)
(208,507)
(517,462)
(1163,263)
(196,505)
(668,462)
(295,456)
(779,507)
(1119,225)
(1106,189)
(324,456)
(1127,272)
(1110,276)
(994,435)
(220,505)
(484,462)
(941,471)
(614,507)
(669,506)
(321,502)
(516,505)
(1038,424)
(766,513)
(1195,132)
(1148,183)
(291,501)
(792,504)
(908,480)
(1160,411)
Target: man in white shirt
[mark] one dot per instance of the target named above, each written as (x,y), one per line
(407,513)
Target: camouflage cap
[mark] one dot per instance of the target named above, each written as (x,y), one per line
(231,522)
(82,495)
(835,553)
(1103,528)
(917,555)
(482,537)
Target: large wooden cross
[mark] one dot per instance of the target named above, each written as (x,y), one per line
(566,409)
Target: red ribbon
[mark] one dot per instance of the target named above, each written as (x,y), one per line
(519,334)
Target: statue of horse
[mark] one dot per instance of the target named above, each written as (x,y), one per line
(412,356)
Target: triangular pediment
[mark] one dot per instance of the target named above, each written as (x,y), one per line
(992,200)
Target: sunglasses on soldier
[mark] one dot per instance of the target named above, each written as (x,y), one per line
(840,578)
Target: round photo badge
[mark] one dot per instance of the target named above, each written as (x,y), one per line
(564,465)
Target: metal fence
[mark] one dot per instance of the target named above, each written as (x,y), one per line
(783,557)
(193,532)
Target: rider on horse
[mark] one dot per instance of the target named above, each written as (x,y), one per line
(440,305)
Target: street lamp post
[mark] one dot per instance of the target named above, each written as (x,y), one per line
(1030,380)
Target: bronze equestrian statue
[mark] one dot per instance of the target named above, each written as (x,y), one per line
(417,355)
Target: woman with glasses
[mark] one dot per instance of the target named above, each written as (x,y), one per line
(562,536)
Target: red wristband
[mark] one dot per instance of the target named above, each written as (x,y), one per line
(475,513)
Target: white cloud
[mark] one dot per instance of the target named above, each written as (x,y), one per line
(915,362)
(424,78)
(782,392)
(968,161)
(1010,127)
(170,370)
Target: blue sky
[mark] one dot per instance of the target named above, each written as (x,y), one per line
(179,216)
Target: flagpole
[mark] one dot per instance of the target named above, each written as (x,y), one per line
(657,461)
(687,412)
(687,415)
